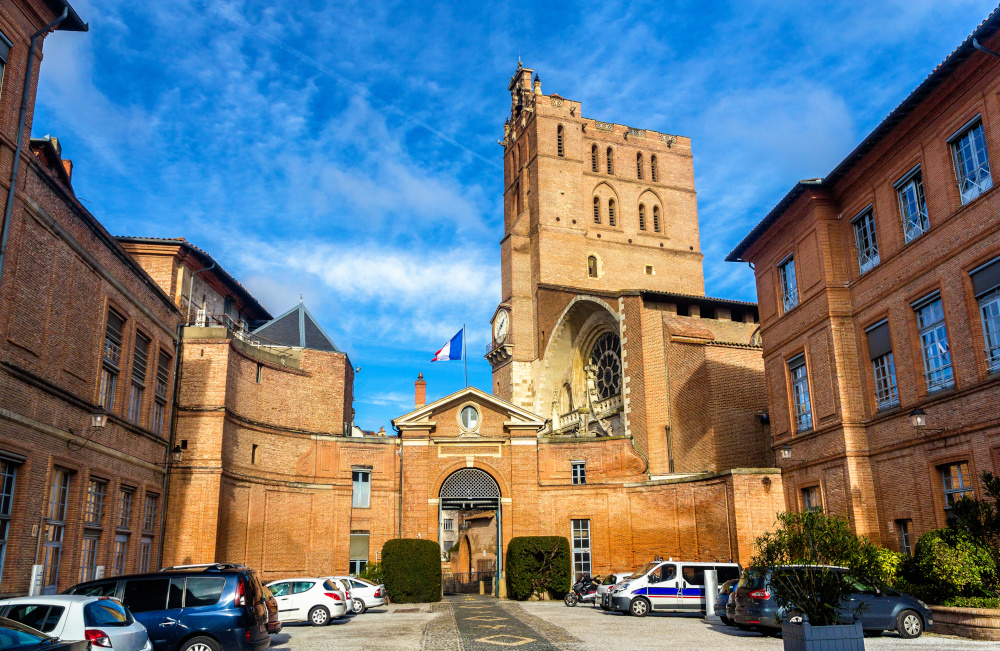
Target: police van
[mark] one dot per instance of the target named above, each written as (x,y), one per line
(668,586)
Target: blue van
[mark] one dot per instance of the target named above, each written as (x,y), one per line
(193,607)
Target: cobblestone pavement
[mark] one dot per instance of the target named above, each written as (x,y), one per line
(475,623)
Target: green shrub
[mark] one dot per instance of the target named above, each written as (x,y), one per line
(411,570)
(951,564)
(889,565)
(972,602)
(537,564)
(372,572)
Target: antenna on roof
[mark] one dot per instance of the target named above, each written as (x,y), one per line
(300,297)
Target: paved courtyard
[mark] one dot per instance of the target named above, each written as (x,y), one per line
(474,623)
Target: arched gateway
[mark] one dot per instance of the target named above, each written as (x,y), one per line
(472,489)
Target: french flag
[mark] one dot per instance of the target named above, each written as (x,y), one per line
(452,350)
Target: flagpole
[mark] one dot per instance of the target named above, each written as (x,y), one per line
(465,357)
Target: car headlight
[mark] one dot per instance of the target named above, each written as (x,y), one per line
(623,588)
(926,607)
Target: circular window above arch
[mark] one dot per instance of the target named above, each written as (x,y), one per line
(469,418)
(605,358)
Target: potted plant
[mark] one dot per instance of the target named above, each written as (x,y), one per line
(810,562)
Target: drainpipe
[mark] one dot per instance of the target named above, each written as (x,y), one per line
(191,290)
(170,445)
(9,208)
(399,518)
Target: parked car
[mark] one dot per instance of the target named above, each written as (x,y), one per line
(15,636)
(312,600)
(668,586)
(604,590)
(887,609)
(364,594)
(104,621)
(273,621)
(192,607)
(344,587)
(722,602)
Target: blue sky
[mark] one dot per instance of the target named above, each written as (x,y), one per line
(348,151)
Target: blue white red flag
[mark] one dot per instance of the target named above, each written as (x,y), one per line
(452,350)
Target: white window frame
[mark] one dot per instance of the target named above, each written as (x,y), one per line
(789,283)
(989,314)
(905,536)
(801,400)
(950,491)
(910,192)
(811,499)
(580,535)
(88,556)
(579,469)
(55,530)
(361,488)
(120,554)
(886,390)
(357,565)
(968,145)
(866,238)
(934,346)
(145,553)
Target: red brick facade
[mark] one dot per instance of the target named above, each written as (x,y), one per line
(860,456)
(62,274)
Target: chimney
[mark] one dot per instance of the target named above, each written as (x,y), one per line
(421,391)
(68,166)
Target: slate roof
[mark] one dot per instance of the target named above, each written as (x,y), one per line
(938,76)
(297,328)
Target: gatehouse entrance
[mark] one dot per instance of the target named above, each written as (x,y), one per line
(473,496)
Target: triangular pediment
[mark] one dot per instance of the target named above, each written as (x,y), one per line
(513,413)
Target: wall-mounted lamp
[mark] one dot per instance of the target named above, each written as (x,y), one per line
(918,418)
(175,454)
(786,451)
(98,417)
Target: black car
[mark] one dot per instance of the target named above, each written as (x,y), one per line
(18,637)
(193,607)
(886,609)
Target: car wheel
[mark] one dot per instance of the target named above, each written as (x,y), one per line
(795,617)
(726,620)
(201,644)
(639,607)
(909,625)
(319,616)
(359,607)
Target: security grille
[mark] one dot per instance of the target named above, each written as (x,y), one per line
(470,488)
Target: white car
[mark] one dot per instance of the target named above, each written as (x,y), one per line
(365,593)
(609,582)
(312,600)
(103,621)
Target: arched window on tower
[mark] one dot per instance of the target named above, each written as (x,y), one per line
(642,217)
(597,210)
(652,168)
(594,159)
(611,212)
(656,218)
(592,266)
(611,161)
(559,140)
(638,166)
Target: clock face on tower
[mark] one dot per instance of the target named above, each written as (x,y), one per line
(500,326)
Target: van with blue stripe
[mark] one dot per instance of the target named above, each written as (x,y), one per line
(668,586)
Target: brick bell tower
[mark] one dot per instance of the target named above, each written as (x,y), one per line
(589,206)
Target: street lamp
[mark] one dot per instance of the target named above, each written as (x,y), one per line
(98,417)
(786,451)
(918,418)
(175,454)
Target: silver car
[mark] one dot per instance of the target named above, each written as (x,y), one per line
(604,589)
(103,621)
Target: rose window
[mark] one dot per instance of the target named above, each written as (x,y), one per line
(607,362)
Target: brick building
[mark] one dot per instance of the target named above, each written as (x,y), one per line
(86,359)
(878,290)
(651,442)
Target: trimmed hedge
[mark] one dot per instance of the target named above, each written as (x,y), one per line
(536,564)
(411,570)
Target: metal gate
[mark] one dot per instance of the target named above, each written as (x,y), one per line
(465,490)
(468,582)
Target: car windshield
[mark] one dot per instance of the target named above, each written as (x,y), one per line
(751,580)
(643,571)
(611,580)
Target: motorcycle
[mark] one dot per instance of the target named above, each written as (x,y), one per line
(583,591)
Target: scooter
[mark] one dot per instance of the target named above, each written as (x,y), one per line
(583,591)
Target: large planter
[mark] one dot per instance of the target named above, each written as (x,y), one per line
(975,623)
(806,637)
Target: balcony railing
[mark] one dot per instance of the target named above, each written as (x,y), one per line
(203,319)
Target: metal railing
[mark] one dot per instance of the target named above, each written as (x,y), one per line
(203,319)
